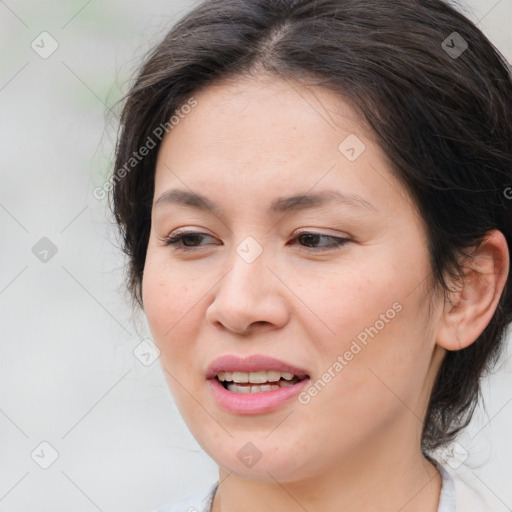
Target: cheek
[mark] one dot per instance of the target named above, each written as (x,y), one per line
(167,306)
(174,308)
(170,317)
(380,368)
(380,347)
(156,300)
(349,303)
(166,295)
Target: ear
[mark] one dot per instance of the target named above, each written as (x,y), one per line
(472,305)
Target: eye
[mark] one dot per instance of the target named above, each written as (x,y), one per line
(309,238)
(183,239)
(187,240)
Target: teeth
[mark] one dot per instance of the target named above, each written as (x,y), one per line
(261,377)
(257,377)
(256,382)
(247,389)
(273,376)
(236,376)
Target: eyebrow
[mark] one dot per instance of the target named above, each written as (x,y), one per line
(279,205)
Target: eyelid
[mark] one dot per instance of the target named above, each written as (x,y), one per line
(181,233)
(177,236)
(315,231)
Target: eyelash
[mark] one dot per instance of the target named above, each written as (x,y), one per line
(177,239)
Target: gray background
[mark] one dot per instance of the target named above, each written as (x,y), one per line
(68,374)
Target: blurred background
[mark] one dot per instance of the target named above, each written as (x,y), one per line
(86,420)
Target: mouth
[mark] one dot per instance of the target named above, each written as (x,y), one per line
(257,381)
(254,384)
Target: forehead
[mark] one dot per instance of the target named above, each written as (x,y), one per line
(267,136)
(265,106)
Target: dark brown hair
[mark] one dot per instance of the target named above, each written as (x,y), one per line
(434,90)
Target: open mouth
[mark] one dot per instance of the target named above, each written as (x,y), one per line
(257,382)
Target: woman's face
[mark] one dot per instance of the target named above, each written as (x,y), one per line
(266,278)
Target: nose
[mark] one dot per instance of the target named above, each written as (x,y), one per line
(249,297)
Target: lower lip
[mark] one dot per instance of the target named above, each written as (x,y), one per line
(254,403)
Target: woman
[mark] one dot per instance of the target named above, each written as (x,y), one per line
(314,197)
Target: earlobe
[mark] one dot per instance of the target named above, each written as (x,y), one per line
(473,303)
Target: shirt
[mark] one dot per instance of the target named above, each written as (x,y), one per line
(202,501)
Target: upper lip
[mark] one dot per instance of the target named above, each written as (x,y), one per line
(252,363)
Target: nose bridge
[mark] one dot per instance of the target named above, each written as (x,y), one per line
(249,292)
(249,274)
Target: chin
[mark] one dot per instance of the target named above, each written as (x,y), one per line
(262,460)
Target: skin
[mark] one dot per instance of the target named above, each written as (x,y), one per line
(356,445)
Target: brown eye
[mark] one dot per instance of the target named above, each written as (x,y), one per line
(312,239)
(181,240)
